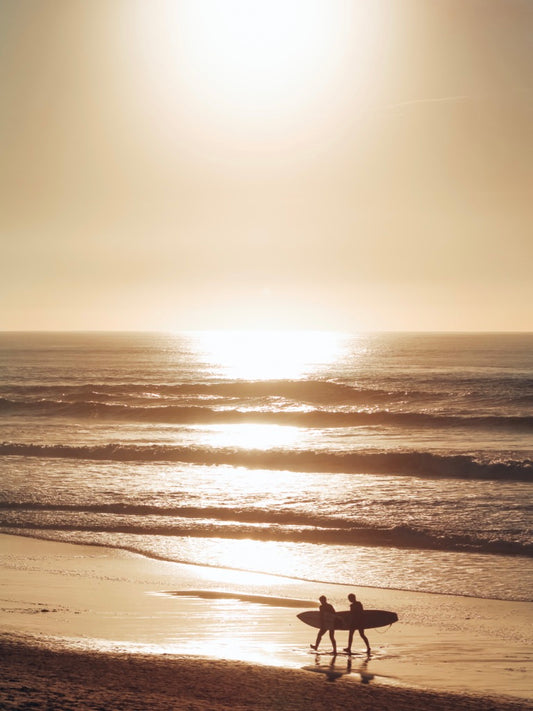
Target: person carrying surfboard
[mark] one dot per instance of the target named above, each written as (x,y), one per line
(327,623)
(356,623)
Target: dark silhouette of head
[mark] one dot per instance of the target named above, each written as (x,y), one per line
(322,598)
(351,597)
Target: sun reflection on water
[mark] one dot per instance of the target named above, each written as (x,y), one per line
(251,560)
(269,355)
(249,436)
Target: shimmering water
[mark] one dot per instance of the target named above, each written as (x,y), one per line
(400,461)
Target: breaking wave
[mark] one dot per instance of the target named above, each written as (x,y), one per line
(315,418)
(228,523)
(408,463)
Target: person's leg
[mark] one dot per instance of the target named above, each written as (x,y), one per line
(348,649)
(333,642)
(318,638)
(365,640)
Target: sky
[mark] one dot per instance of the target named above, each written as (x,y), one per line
(290,164)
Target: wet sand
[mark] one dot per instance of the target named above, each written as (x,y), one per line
(34,677)
(89,627)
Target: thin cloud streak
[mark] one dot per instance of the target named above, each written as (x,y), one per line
(436,100)
(462,98)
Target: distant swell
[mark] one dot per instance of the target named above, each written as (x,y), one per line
(316,418)
(423,464)
(323,391)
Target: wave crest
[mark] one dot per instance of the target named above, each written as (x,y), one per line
(409,463)
(307,417)
(228,524)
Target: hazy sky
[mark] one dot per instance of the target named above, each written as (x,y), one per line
(172,164)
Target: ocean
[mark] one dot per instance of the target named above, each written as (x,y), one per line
(400,461)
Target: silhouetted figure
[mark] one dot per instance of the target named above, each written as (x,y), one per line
(356,623)
(327,623)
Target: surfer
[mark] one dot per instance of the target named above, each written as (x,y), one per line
(327,623)
(356,623)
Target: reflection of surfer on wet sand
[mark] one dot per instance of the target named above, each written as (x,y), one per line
(327,623)
(356,623)
(333,671)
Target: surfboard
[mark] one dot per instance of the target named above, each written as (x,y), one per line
(341,620)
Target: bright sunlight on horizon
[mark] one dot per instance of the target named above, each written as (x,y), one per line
(322,165)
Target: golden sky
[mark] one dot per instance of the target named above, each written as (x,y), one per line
(183,164)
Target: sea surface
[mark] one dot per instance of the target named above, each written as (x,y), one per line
(390,460)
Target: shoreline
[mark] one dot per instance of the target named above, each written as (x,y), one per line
(303,581)
(77,605)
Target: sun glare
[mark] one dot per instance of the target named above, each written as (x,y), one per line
(251,436)
(239,64)
(269,355)
(265,55)
(242,561)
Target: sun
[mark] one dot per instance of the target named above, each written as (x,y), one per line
(259,56)
(248,63)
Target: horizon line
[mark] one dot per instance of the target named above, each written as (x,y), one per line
(263,330)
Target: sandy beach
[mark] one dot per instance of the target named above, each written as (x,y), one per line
(35,677)
(90,627)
